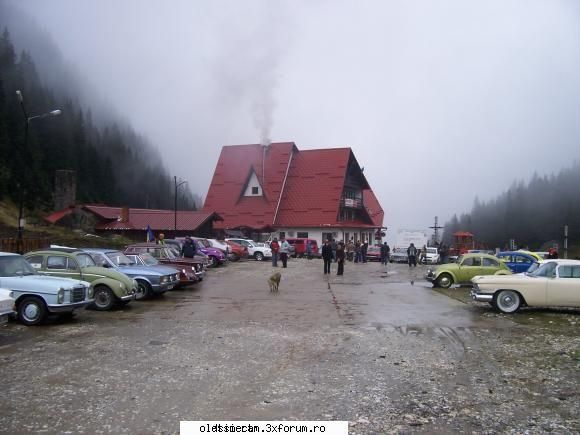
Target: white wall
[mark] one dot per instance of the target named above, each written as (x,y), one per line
(253,183)
(339,233)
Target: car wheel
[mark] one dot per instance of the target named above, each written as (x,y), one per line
(259,256)
(31,311)
(445,280)
(144,290)
(212,261)
(104,298)
(507,301)
(235,257)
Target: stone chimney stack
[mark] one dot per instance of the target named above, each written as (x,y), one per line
(65,189)
(124,215)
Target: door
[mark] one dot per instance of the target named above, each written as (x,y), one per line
(489,266)
(564,289)
(64,267)
(470,267)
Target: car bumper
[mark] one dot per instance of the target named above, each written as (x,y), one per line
(430,276)
(63,308)
(481,297)
(162,288)
(5,315)
(128,297)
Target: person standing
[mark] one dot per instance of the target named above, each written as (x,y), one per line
(161,239)
(383,254)
(412,255)
(423,257)
(284,249)
(333,245)
(357,254)
(188,248)
(350,250)
(363,251)
(308,250)
(340,256)
(326,256)
(388,253)
(275,247)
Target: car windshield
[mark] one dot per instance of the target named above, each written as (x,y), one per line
(533,268)
(459,259)
(545,270)
(204,243)
(149,259)
(85,260)
(432,250)
(119,258)
(15,265)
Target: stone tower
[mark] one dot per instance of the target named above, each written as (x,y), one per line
(65,188)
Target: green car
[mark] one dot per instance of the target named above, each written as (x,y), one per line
(466,267)
(110,287)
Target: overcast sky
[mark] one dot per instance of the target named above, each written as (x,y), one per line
(441,101)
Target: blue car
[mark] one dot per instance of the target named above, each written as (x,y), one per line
(518,262)
(151,280)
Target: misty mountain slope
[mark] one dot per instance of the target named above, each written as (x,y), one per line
(114,164)
(531,213)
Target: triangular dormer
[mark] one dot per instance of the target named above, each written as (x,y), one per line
(253,186)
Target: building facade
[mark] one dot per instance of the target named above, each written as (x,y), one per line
(266,191)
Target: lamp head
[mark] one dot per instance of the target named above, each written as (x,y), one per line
(19,94)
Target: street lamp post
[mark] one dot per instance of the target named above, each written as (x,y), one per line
(27,120)
(181,183)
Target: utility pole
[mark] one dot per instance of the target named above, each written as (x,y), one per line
(565,241)
(436,229)
(181,183)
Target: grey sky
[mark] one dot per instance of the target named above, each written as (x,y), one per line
(441,101)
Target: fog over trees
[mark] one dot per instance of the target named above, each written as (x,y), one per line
(532,213)
(114,164)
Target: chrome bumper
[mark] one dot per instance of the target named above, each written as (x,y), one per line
(481,297)
(63,308)
(128,297)
(430,276)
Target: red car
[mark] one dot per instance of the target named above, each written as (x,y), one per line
(191,270)
(237,251)
(374,253)
(301,247)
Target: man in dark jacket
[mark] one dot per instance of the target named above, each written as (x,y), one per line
(327,256)
(412,255)
(188,248)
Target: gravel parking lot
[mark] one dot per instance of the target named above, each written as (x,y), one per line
(379,348)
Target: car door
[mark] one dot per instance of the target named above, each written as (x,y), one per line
(62,266)
(521,263)
(564,289)
(469,267)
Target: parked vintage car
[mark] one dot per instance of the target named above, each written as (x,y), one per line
(466,267)
(399,255)
(517,261)
(215,256)
(151,280)
(38,295)
(7,305)
(110,287)
(191,270)
(176,245)
(374,253)
(259,253)
(555,283)
(237,251)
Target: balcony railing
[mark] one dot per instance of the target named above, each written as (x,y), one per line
(351,203)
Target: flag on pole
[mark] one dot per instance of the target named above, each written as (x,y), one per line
(150,236)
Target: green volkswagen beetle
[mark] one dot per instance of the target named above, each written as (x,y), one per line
(466,267)
(110,287)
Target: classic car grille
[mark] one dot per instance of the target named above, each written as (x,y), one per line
(78,294)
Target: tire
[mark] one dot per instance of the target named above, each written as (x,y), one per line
(32,311)
(213,262)
(445,280)
(144,291)
(259,256)
(104,298)
(235,257)
(507,301)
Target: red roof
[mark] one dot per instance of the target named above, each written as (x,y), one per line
(139,218)
(311,193)
(463,234)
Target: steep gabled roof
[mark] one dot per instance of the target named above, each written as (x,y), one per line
(230,178)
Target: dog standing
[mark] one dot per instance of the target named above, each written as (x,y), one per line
(274,282)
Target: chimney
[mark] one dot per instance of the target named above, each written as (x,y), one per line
(124,215)
(65,189)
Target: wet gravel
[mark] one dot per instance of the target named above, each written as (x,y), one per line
(377,347)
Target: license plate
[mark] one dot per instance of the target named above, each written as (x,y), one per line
(170,287)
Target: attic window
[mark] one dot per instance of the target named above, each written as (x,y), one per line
(255,190)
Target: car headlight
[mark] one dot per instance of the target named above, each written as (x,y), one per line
(176,277)
(164,279)
(90,292)
(60,296)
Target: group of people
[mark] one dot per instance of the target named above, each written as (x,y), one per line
(188,249)
(413,253)
(280,250)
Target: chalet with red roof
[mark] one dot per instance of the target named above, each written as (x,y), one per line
(279,189)
(133,222)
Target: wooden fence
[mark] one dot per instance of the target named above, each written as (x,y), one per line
(22,246)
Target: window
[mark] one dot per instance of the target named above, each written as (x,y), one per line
(56,263)
(472,261)
(282,234)
(521,259)
(255,190)
(302,235)
(489,262)
(35,261)
(85,260)
(569,271)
